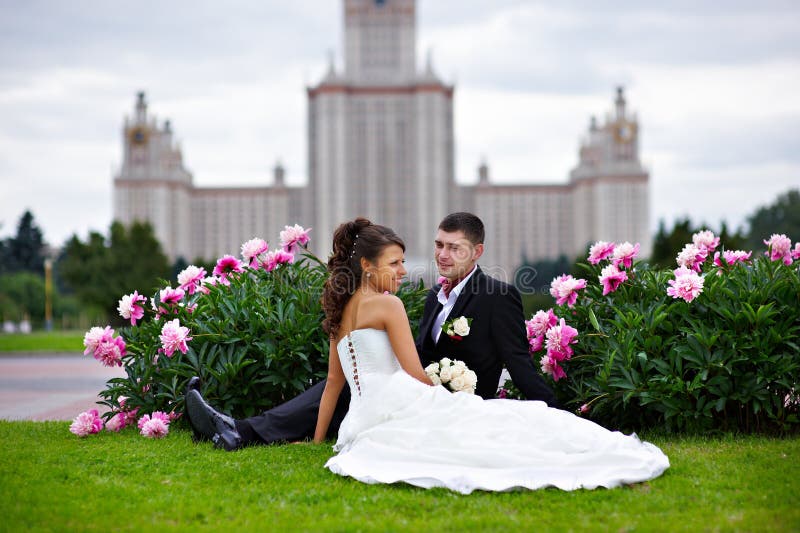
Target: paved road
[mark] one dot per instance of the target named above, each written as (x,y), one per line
(53,386)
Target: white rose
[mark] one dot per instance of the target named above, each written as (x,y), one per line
(445,362)
(445,374)
(461,326)
(471,378)
(457,369)
(435,380)
(458,383)
(432,369)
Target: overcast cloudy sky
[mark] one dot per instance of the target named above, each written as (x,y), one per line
(716,86)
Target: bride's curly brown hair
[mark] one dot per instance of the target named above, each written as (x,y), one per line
(351,241)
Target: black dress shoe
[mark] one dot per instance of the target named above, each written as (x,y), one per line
(209,424)
(194,384)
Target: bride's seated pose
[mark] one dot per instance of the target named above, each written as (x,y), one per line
(401,428)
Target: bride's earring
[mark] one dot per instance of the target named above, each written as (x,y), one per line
(369,274)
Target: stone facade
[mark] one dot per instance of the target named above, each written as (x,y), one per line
(381,145)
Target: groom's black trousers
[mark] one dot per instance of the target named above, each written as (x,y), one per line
(296,419)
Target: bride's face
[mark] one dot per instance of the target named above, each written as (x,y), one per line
(387,272)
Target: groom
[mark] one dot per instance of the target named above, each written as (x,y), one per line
(496,338)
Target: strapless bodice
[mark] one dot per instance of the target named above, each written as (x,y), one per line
(367,360)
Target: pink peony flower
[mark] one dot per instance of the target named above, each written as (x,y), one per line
(94,336)
(600,250)
(110,351)
(796,251)
(207,282)
(584,409)
(117,422)
(189,279)
(227,265)
(535,343)
(705,240)
(293,237)
(551,367)
(611,278)
(129,307)
(540,323)
(154,426)
(731,257)
(624,254)
(168,299)
(687,284)
(692,257)
(779,248)
(558,340)
(252,249)
(86,423)
(274,258)
(564,289)
(174,337)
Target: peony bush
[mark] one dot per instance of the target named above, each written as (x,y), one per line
(712,345)
(251,330)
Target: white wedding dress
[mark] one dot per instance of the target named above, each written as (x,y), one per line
(401,430)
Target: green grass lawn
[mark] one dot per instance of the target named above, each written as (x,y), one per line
(52,480)
(42,341)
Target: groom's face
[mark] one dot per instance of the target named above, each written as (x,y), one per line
(455,255)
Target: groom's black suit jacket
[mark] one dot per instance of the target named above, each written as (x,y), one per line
(496,338)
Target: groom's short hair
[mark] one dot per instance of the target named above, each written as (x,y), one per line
(470,224)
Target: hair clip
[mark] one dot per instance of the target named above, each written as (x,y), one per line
(355,241)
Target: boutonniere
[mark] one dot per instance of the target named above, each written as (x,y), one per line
(457,328)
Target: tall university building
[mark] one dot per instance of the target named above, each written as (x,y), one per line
(381,145)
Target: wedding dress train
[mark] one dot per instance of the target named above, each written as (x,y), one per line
(400,430)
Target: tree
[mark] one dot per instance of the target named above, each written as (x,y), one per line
(25,251)
(101,270)
(783,216)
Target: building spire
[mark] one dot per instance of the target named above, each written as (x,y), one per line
(620,102)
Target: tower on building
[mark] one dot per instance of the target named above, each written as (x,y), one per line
(380,132)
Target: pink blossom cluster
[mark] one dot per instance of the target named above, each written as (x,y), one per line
(154,426)
(624,254)
(226,266)
(101,343)
(687,284)
(620,257)
(692,257)
(252,249)
(86,423)
(731,257)
(565,289)
(122,418)
(273,258)
(169,301)
(174,337)
(190,278)
(544,329)
(779,248)
(705,240)
(601,250)
(129,307)
(293,237)
(537,327)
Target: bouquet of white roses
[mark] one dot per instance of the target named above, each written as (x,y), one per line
(454,374)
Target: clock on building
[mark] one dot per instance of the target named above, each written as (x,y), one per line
(625,131)
(138,136)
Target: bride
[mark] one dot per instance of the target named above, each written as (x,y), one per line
(401,428)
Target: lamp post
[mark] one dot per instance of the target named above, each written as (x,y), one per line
(48,294)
